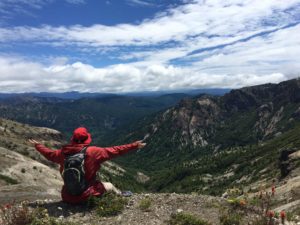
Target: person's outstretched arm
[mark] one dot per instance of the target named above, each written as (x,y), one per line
(52,155)
(103,154)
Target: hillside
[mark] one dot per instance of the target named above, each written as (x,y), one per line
(237,138)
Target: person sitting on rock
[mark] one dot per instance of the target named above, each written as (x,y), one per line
(79,163)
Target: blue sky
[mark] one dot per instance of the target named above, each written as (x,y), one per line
(146,45)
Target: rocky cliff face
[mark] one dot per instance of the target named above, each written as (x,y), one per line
(260,111)
(190,122)
(289,162)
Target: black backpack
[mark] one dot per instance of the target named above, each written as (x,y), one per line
(74,174)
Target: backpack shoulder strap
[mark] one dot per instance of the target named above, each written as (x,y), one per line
(83,150)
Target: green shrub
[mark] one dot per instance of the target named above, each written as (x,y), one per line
(230,218)
(186,219)
(255,201)
(145,204)
(292,215)
(109,204)
(234,202)
(92,202)
(23,170)
(40,216)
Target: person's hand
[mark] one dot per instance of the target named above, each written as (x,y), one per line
(140,144)
(32,141)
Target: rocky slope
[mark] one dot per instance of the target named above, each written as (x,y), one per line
(33,180)
(24,174)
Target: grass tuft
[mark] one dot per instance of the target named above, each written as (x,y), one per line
(230,219)
(109,204)
(145,204)
(186,219)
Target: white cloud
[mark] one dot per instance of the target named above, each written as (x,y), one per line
(140,3)
(197,25)
(18,75)
(10,8)
(278,52)
(238,18)
(199,44)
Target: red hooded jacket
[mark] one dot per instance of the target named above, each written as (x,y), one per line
(94,157)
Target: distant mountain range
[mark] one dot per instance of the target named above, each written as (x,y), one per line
(64,95)
(78,95)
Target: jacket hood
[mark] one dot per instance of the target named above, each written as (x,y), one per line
(82,136)
(72,149)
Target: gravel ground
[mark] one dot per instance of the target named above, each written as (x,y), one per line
(160,210)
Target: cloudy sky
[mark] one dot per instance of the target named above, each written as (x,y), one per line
(146,45)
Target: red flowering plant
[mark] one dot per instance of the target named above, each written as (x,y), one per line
(282,216)
(15,214)
(270,214)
